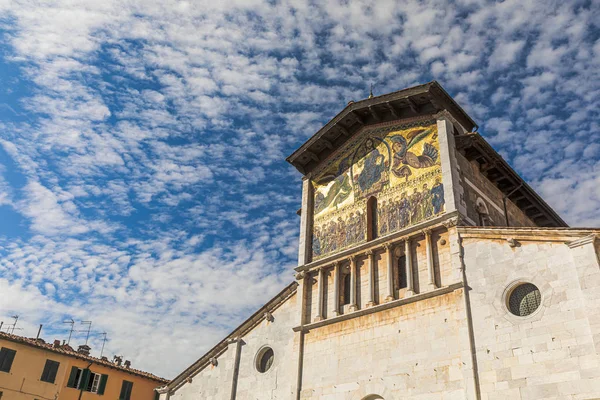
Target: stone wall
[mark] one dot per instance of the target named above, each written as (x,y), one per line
(551,353)
(412,351)
(477,186)
(279,382)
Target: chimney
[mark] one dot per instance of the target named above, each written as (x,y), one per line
(127,363)
(84,349)
(117,360)
(56,343)
(104,358)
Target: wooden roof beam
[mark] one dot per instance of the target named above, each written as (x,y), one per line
(313,156)
(327,143)
(374,113)
(342,129)
(392,109)
(413,106)
(358,118)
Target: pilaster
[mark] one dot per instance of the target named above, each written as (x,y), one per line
(306,218)
(453,190)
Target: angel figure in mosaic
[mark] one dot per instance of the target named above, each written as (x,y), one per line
(404,158)
(339,190)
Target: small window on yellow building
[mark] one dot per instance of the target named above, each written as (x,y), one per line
(126,389)
(49,373)
(87,380)
(6,359)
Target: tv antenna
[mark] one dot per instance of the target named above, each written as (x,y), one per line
(72,322)
(104,340)
(12,326)
(89,324)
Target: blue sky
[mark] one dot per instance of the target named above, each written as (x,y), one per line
(143,184)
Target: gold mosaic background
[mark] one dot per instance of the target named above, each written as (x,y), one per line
(401,168)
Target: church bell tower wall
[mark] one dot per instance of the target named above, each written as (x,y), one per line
(483,197)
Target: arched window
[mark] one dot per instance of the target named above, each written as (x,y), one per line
(371,218)
(373,397)
(482,213)
(346,290)
(402,281)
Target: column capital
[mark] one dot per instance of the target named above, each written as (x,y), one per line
(369,252)
(352,258)
(450,223)
(300,275)
(389,246)
(426,232)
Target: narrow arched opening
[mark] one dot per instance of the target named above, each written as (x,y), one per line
(483,213)
(371,218)
(346,289)
(402,279)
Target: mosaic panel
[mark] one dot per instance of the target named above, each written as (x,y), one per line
(400,167)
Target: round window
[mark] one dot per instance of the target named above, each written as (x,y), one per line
(264,359)
(524,299)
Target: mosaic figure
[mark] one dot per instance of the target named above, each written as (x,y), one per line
(437,196)
(404,159)
(373,166)
(338,192)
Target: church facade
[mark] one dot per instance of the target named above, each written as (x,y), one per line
(428,269)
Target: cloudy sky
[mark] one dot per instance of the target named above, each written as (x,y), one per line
(142,176)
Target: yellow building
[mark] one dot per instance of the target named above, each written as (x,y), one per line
(31,369)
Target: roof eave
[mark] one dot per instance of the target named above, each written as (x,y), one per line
(421,100)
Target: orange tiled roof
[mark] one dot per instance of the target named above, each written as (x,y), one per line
(68,351)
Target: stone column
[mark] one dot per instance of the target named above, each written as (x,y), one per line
(430,267)
(303,287)
(336,290)
(410,288)
(371,256)
(389,251)
(353,306)
(306,218)
(320,289)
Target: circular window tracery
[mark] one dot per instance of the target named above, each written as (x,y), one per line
(264,359)
(524,299)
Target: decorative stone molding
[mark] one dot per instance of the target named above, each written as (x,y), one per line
(452,222)
(583,241)
(300,275)
(268,316)
(512,242)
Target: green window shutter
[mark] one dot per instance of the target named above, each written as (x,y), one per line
(126,389)
(102,385)
(45,372)
(53,371)
(6,359)
(49,373)
(156,395)
(85,377)
(71,382)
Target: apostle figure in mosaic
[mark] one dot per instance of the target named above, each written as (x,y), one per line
(404,210)
(316,242)
(415,200)
(426,204)
(437,196)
